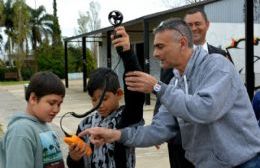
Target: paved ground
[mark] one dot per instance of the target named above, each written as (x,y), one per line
(12,100)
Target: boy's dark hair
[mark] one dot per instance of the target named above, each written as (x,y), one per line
(98,77)
(195,10)
(45,83)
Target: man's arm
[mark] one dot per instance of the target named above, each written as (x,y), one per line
(202,106)
(163,128)
(134,101)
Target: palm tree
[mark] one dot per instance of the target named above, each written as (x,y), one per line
(21,30)
(56,36)
(2,16)
(7,22)
(1,21)
(41,26)
(16,23)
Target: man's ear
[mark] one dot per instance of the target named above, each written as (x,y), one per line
(184,42)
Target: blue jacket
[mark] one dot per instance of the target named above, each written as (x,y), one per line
(215,115)
(29,143)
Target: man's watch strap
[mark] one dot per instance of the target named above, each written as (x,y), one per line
(157,87)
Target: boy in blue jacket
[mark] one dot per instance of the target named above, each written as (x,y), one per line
(29,142)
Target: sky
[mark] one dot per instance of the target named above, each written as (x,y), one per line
(68,10)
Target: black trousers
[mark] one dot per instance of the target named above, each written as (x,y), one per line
(176,156)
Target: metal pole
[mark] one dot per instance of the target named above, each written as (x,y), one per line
(66,64)
(146,56)
(84,59)
(249,36)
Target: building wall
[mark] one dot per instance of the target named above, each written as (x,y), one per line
(230,11)
(225,11)
(229,24)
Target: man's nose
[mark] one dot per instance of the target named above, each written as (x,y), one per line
(155,53)
(193,27)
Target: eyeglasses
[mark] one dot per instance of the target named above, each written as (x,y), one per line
(169,24)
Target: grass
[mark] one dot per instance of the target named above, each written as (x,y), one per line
(7,83)
(1,130)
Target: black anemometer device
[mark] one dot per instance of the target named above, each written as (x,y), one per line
(116,18)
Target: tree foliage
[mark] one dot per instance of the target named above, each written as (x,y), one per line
(41,26)
(95,22)
(76,62)
(51,58)
(82,23)
(36,33)
(2,19)
(56,36)
(2,16)
(20,31)
(90,21)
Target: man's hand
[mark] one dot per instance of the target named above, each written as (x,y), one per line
(122,41)
(99,136)
(140,81)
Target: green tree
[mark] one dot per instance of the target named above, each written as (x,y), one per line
(2,16)
(94,24)
(50,58)
(91,62)
(87,22)
(82,23)
(16,22)
(2,19)
(56,36)
(94,20)
(75,60)
(7,22)
(21,18)
(41,25)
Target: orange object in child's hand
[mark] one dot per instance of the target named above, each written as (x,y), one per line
(76,140)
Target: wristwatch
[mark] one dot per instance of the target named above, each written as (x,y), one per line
(157,87)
